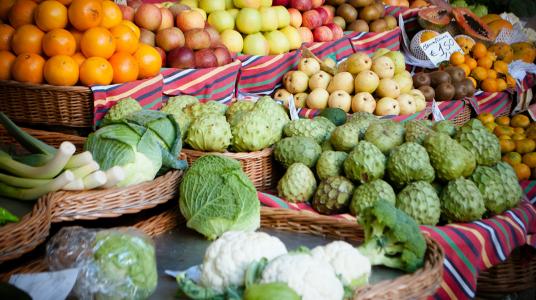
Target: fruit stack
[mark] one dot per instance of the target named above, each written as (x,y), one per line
(362,16)
(444,85)
(383,75)
(81,41)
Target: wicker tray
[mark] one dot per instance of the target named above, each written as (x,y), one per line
(418,285)
(464,116)
(52,138)
(257,165)
(47,104)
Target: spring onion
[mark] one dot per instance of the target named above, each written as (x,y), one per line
(84,171)
(115,175)
(22,182)
(36,192)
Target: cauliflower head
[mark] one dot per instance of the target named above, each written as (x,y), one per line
(353,267)
(227,259)
(311,278)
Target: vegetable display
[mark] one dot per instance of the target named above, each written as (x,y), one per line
(6,216)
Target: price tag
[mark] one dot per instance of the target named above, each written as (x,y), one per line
(121,2)
(436,112)
(439,48)
(292,108)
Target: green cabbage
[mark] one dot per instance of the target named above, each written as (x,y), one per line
(217,196)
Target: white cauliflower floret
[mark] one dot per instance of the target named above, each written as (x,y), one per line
(227,259)
(353,267)
(312,279)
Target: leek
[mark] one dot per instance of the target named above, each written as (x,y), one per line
(47,171)
(36,192)
(91,181)
(23,182)
(79,160)
(114,175)
(83,171)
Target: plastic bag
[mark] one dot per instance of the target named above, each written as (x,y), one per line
(114,263)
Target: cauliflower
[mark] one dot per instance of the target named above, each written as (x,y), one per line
(353,267)
(227,259)
(312,279)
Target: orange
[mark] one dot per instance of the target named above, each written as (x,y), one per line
(79,58)
(96,70)
(85,14)
(6,62)
(111,14)
(28,67)
(428,35)
(61,70)
(125,39)
(491,55)
(473,81)
(51,15)
(512,158)
(5,6)
(457,58)
(507,146)
(521,121)
(59,42)
(500,66)
(519,130)
(479,50)
(97,41)
(525,146)
(471,62)
(466,69)
(501,130)
(489,85)
(530,159)
(125,67)
(21,13)
(522,171)
(486,118)
(6,34)
(510,81)
(479,73)
(503,120)
(132,26)
(504,137)
(65,2)
(492,74)
(517,136)
(490,126)
(149,61)
(485,62)
(27,39)
(77,37)
(501,85)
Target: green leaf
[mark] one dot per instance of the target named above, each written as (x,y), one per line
(254,272)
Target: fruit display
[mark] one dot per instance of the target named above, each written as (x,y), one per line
(517,138)
(83,42)
(443,85)
(362,15)
(353,85)
(433,172)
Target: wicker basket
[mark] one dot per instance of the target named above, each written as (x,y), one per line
(516,274)
(418,285)
(464,116)
(52,138)
(46,104)
(257,165)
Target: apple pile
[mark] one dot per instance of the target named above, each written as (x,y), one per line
(180,34)
(362,15)
(379,84)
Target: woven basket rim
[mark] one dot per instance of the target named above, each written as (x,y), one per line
(236,155)
(44,86)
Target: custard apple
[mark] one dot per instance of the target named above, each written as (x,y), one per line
(512,190)
(385,135)
(238,108)
(333,195)
(183,120)
(365,163)
(482,143)
(461,201)
(201,109)
(298,184)
(306,127)
(361,115)
(450,159)
(297,149)
(407,163)
(489,182)
(120,110)
(275,112)
(417,130)
(446,126)
(179,103)
(209,133)
(329,127)
(253,132)
(420,201)
(345,137)
(326,146)
(330,164)
(367,194)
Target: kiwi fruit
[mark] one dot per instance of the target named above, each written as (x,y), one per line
(369,13)
(378,25)
(420,79)
(360,3)
(439,77)
(470,88)
(381,8)
(460,90)
(457,74)
(445,91)
(347,12)
(358,26)
(335,2)
(428,92)
(391,22)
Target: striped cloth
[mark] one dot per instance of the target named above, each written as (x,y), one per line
(469,247)
(450,109)
(369,42)
(148,92)
(309,113)
(336,50)
(498,104)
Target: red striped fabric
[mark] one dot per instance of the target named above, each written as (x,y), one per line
(498,104)
(216,84)
(336,50)
(309,113)
(368,42)
(148,92)
(450,109)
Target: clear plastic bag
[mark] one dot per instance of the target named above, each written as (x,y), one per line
(113,263)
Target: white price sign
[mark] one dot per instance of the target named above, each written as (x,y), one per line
(439,48)
(436,112)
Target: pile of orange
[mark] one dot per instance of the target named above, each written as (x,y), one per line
(517,137)
(484,68)
(69,42)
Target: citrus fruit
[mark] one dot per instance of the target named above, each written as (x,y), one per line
(22,13)
(479,50)
(530,159)
(466,69)
(489,85)
(525,146)
(125,67)
(51,15)
(5,6)
(457,58)
(59,42)
(77,37)
(28,67)
(479,73)
(6,62)
(503,130)
(97,41)
(27,39)
(485,62)
(85,14)
(6,34)
(501,85)
(78,58)
(521,121)
(471,62)
(149,61)
(61,70)
(501,67)
(96,70)
(132,26)
(125,39)
(522,171)
(507,145)
(111,14)
(486,118)
(492,74)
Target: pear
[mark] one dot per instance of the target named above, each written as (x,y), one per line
(319,80)
(342,81)
(405,83)
(283,95)
(407,104)
(366,81)
(299,100)
(388,88)
(317,98)
(363,102)
(340,99)
(358,62)
(387,106)
(296,82)
(309,66)
(383,66)
(380,52)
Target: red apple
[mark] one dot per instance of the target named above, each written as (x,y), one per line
(330,9)
(197,39)
(279,2)
(190,19)
(162,54)
(205,58)
(167,19)
(181,58)
(214,35)
(170,38)
(295,17)
(147,37)
(128,12)
(324,15)
(311,19)
(306,34)
(301,5)
(322,34)
(134,3)
(222,55)
(177,8)
(317,3)
(336,30)
(148,16)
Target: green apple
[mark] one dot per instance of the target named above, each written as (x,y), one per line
(248,21)
(256,44)
(232,39)
(266,3)
(268,19)
(277,42)
(293,37)
(229,4)
(190,3)
(234,12)
(283,17)
(203,13)
(211,5)
(221,20)
(247,3)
